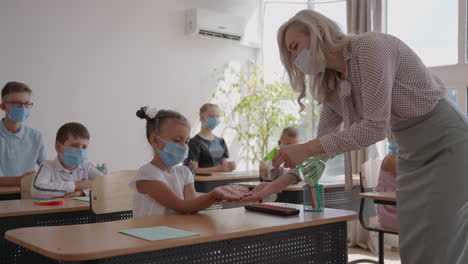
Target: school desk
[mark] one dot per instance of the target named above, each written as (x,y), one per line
(207,183)
(225,236)
(24,213)
(10,193)
(335,194)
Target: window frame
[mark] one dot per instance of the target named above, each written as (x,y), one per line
(454,76)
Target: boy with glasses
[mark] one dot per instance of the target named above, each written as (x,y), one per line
(21,147)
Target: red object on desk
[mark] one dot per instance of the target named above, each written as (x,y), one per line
(49,202)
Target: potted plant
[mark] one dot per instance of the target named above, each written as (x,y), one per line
(254,109)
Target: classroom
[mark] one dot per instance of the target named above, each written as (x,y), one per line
(234,131)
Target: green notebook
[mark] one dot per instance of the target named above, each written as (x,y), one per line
(157,233)
(83,198)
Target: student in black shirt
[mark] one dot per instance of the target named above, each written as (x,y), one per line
(207,150)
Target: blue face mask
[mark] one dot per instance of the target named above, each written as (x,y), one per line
(19,114)
(392,147)
(73,157)
(212,122)
(172,154)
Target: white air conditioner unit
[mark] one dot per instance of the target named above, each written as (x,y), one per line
(200,21)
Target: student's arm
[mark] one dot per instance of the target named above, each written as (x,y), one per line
(10,181)
(189,191)
(160,192)
(13,181)
(212,169)
(229,164)
(390,164)
(44,186)
(93,173)
(266,189)
(42,152)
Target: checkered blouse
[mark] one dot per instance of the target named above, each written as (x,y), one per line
(386,83)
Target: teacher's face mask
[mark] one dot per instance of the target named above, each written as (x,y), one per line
(309,64)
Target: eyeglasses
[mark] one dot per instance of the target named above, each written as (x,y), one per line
(20,104)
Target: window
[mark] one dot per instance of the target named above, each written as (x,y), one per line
(275,14)
(437,31)
(429,27)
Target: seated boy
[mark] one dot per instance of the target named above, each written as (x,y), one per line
(70,174)
(21,147)
(289,136)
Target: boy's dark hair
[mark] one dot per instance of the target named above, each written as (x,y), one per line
(77,130)
(290,132)
(207,106)
(155,124)
(15,87)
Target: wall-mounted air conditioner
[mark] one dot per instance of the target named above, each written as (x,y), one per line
(206,22)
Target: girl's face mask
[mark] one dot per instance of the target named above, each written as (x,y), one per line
(172,154)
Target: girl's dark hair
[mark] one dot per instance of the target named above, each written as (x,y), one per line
(155,124)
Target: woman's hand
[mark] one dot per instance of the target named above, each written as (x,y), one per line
(293,155)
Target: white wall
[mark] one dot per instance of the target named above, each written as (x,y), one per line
(97,61)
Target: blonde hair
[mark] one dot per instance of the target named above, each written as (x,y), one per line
(313,24)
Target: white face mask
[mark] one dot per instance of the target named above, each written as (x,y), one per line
(308,64)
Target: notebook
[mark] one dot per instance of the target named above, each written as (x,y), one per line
(83,198)
(157,233)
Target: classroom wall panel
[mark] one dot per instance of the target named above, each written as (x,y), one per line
(97,62)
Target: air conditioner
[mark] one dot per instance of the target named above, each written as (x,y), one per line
(206,22)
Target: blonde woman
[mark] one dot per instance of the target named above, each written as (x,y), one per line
(370,83)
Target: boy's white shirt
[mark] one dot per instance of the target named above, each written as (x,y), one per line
(145,205)
(53,180)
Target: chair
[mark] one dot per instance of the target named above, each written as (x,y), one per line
(111,197)
(26,182)
(369,175)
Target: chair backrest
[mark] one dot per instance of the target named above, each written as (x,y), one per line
(26,183)
(370,171)
(111,193)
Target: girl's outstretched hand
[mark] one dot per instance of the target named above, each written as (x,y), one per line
(258,193)
(228,193)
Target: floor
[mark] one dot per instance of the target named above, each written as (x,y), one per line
(391,257)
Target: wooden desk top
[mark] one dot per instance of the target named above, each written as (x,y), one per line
(101,240)
(298,186)
(27,207)
(235,175)
(10,190)
(383,196)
